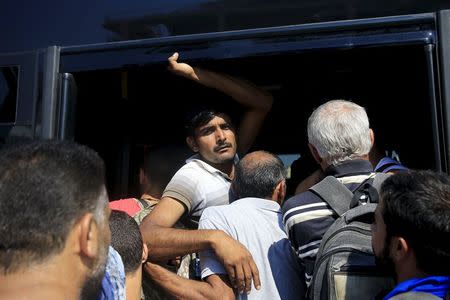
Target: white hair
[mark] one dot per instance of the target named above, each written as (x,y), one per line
(340,131)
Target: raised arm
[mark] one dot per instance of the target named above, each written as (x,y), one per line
(215,287)
(257,101)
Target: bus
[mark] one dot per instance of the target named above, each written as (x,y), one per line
(95,71)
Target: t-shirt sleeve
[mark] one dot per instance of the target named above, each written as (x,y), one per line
(184,187)
(209,262)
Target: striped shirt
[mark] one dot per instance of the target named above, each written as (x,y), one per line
(307,217)
(198,185)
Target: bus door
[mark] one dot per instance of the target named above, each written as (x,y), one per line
(58,99)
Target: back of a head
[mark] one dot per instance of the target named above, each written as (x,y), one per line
(416,206)
(45,187)
(340,131)
(126,239)
(162,162)
(257,175)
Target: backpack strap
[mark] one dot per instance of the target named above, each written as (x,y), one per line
(379,178)
(145,204)
(334,193)
(367,192)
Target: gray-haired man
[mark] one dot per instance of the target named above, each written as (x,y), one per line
(340,140)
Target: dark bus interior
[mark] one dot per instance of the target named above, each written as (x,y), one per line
(121,111)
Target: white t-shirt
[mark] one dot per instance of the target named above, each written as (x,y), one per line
(198,185)
(257,224)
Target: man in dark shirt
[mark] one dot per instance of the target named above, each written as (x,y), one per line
(410,234)
(340,139)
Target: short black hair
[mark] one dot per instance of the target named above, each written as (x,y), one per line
(199,117)
(45,187)
(258,178)
(162,162)
(126,239)
(416,206)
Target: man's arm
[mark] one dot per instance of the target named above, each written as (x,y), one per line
(215,287)
(166,243)
(257,101)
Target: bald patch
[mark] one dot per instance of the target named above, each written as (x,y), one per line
(256,159)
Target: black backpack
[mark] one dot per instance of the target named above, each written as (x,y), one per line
(345,264)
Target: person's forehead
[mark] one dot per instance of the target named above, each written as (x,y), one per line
(217,120)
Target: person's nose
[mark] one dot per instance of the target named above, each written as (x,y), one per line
(220,135)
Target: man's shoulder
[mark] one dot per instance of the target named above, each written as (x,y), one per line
(303,199)
(190,166)
(190,173)
(228,215)
(305,210)
(218,211)
(237,206)
(195,170)
(415,296)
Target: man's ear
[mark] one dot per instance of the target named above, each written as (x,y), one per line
(400,249)
(89,237)
(144,253)
(280,192)
(192,143)
(372,136)
(315,154)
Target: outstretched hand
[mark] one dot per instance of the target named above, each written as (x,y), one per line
(181,69)
(238,263)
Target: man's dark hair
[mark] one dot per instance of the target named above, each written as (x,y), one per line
(416,207)
(126,239)
(45,187)
(258,178)
(162,162)
(200,117)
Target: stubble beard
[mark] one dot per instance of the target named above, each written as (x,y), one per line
(93,284)
(384,261)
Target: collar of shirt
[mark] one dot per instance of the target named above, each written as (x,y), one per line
(350,167)
(196,158)
(387,164)
(261,203)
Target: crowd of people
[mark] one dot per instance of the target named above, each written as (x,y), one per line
(216,226)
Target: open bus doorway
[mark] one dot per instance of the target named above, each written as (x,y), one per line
(121,110)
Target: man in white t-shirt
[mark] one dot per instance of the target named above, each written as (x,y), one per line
(255,221)
(205,180)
